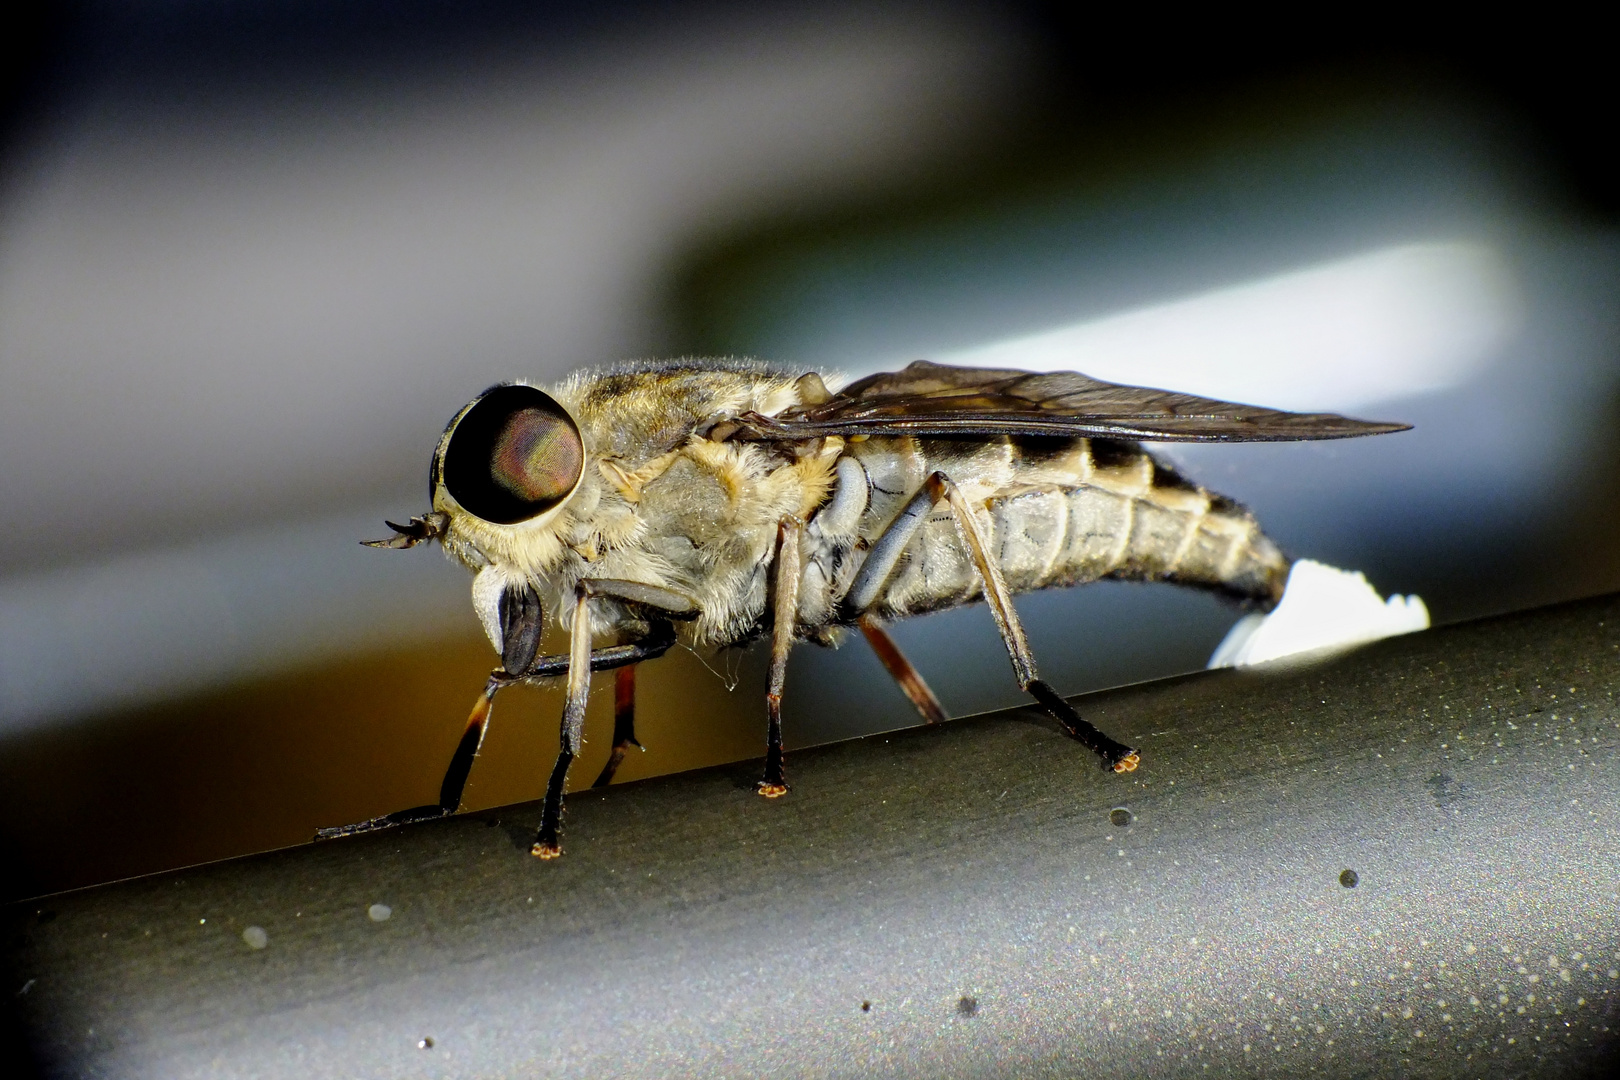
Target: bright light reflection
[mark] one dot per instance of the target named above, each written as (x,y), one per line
(1391,324)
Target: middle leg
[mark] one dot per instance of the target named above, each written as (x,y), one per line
(548,842)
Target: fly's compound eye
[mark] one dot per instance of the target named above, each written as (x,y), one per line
(513,455)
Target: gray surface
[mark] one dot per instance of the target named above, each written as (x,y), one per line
(1469,776)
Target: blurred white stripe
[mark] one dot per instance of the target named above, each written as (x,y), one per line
(1392,324)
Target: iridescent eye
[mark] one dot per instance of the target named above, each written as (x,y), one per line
(536,456)
(514,454)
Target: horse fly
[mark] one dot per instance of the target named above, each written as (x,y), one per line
(736,499)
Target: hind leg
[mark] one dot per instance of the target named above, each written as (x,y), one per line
(885,556)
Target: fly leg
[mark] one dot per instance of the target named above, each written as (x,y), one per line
(785,597)
(885,556)
(548,843)
(581,662)
(660,638)
(624,722)
(521,622)
(455,777)
(670,605)
(909,679)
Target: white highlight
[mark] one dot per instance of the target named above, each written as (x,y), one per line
(488,585)
(1391,324)
(1322,608)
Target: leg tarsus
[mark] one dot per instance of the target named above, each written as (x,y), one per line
(386,821)
(774,784)
(548,843)
(1116,756)
(615,759)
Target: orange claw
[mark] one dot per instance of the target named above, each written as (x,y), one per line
(546,851)
(771,791)
(1128,763)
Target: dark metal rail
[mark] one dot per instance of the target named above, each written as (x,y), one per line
(1401,861)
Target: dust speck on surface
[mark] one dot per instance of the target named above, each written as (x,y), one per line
(255,937)
(1349,879)
(866,1006)
(1443,788)
(967,1006)
(379,912)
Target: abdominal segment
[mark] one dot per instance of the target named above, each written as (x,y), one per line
(1078,512)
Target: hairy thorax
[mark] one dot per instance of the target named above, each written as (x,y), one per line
(660,502)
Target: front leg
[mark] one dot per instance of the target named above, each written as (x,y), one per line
(670,605)
(785,597)
(522,620)
(548,843)
(659,640)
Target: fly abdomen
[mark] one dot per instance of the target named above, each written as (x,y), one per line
(1073,512)
(1135,519)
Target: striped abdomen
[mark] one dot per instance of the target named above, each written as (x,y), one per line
(1064,512)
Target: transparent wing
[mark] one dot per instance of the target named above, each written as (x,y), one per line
(935,399)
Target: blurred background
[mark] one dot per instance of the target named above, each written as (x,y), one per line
(254,254)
